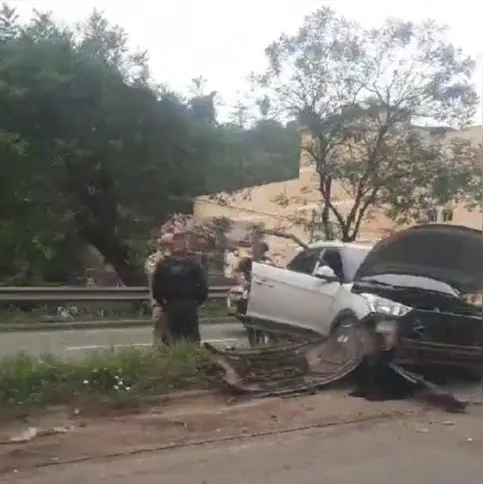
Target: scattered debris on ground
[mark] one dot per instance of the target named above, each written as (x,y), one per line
(309,367)
(29,433)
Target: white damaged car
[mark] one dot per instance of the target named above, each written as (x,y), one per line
(410,287)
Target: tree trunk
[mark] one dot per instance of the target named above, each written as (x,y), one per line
(325,215)
(326,223)
(257,239)
(347,235)
(312,225)
(116,253)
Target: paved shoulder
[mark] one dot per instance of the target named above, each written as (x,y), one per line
(427,450)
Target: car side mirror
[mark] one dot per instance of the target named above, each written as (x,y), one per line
(326,273)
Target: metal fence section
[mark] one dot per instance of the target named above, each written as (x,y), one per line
(87,294)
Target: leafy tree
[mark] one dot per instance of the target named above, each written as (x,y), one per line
(105,155)
(452,173)
(263,153)
(94,152)
(359,95)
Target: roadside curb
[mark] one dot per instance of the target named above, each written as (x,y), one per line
(80,325)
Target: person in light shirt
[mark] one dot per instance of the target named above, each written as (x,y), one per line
(160,328)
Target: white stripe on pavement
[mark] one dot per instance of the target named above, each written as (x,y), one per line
(100,347)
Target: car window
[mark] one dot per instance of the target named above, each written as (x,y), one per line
(305,261)
(353,258)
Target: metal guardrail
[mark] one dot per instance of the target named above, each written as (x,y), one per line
(87,294)
(74,324)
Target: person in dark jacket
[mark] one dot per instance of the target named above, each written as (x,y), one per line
(179,286)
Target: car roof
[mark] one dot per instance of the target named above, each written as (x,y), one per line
(321,244)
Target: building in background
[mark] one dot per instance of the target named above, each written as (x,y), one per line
(263,205)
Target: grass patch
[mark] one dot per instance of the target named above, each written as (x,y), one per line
(27,380)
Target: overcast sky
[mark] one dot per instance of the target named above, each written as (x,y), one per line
(224,40)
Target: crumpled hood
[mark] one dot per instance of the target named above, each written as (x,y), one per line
(449,253)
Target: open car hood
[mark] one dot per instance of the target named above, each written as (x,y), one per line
(449,253)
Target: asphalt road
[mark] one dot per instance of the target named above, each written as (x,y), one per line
(78,342)
(396,452)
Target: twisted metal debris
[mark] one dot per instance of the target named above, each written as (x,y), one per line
(311,366)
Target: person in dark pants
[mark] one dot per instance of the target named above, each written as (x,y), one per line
(179,286)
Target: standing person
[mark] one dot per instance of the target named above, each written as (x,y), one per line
(180,287)
(160,327)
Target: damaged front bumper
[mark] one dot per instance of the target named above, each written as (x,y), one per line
(429,339)
(376,355)
(293,369)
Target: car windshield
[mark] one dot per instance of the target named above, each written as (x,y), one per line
(353,257)
(402,280)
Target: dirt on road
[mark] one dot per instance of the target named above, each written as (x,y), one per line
(78,434)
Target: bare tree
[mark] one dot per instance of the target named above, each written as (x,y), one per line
(359,95)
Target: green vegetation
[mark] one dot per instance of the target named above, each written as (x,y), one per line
(27,381)
(94,152)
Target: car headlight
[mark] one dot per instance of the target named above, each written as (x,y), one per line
(382,305)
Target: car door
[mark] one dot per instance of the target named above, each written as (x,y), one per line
(266,287)
(286,296)
(325,292)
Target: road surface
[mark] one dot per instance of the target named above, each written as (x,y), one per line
(415,450)
(73,342)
